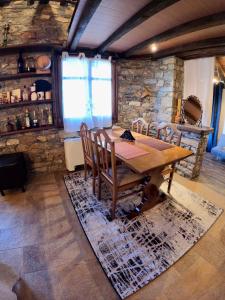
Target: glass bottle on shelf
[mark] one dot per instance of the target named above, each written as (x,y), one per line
(25,94)
(31,120)
(50,120)
(18,123)
(44,120)
(23,123)
(27,119)
(35,120)
(20,63)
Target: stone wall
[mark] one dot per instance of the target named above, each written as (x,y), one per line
(43,150)
(36,23)
(149,89)
(31,25)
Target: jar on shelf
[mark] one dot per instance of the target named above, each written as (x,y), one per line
(33,93)
(30,65)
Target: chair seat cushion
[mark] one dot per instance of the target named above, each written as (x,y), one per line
(219,152)
(13,171)
(7,160)
(126,176)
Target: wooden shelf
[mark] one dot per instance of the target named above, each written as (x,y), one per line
(22,75)
(24,103)
(54,50)
(2,134)
(30,48)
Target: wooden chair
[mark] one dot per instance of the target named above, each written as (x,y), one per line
(170,135)
(89,157)
(153,129)
(140,126)
(117,177)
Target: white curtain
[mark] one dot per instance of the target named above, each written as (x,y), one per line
(87,92)
(198,81)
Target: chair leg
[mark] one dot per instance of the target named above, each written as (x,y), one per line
(170,181)
(114,200)
(2,193)
(99,187)
(23,189)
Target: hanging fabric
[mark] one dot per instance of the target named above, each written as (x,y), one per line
(87,92)
(101,80)
(215,119)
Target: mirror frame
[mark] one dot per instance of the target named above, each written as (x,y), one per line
(187,119)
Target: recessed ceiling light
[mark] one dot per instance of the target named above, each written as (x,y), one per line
(153,48)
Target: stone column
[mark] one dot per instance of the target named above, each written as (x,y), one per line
(194,139)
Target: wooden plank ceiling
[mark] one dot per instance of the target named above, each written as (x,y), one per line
(156,28)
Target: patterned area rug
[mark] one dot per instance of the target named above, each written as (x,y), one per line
(133,253)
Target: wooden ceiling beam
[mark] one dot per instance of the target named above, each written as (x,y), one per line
(152,8)
(208,43)
(213,51)
(188,27)
(87,13)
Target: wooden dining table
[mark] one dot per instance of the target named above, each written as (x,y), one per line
(147,155)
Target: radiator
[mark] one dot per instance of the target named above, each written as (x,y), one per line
(73,153)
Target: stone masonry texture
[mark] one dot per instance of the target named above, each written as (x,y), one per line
(36,23)
(149,89)
(44,150)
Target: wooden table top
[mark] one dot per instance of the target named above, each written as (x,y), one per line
(155,159)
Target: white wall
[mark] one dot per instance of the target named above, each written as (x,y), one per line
(198,81)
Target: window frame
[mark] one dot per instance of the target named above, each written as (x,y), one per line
(59,104)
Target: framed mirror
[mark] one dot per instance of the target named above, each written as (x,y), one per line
(192,111)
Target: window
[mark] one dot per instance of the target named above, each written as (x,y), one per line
(87,92)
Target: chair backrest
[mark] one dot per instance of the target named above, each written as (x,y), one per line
(105,151)
(87,145)
(153,129)
(140,126)
(169,134)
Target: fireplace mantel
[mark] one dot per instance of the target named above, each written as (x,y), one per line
(194,138)
(191,128)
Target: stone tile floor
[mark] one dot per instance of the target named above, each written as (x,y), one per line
(42,242)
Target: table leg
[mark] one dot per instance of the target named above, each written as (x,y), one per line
(151,193)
